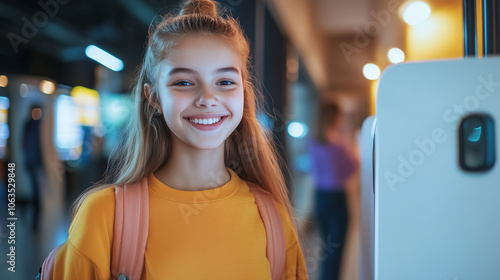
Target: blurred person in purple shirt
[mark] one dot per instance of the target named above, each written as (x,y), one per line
(332,164)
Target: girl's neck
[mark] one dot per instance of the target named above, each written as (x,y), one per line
(191,169)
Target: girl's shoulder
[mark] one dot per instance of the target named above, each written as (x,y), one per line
(100,199)
(96,210)
(104,195)
(91,231)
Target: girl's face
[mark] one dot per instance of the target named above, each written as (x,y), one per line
(201,91)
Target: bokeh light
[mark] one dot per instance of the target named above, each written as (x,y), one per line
(297,129)
(416,12)
(3,81)
(371,71)
(47,87)
(396,55)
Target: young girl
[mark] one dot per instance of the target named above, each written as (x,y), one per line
(196,138)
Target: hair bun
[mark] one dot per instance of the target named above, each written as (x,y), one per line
(204,7)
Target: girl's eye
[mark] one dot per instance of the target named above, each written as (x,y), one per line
(182,83)
(225,83)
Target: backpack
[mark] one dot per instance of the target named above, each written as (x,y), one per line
(132,224)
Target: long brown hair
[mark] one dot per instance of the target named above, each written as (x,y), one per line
(147,142)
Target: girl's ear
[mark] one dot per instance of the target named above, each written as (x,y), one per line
(148,93)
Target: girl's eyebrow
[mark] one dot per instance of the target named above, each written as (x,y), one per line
(227,70)
(191,71)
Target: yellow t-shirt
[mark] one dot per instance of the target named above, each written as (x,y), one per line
(210,234)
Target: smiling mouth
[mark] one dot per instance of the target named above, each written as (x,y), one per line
(206,121)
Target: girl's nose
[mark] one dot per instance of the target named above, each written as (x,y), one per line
(206,98)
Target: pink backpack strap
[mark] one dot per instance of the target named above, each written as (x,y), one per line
(130,230)
(276,248)
(47,269)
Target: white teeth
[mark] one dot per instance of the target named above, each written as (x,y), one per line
(206,121)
